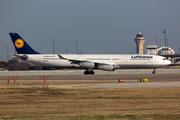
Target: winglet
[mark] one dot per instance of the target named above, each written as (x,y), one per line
(20,45)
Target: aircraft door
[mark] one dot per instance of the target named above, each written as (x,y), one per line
(155,60)
(40,59)
(125,59)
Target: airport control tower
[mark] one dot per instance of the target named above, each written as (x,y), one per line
(139,43)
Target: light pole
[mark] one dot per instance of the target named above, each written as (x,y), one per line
(7,53)
(76,47)
(156,40)
(53,46)
(165,31)
(167,45)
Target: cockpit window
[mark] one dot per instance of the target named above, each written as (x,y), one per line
(164,59)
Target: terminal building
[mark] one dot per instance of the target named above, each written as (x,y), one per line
(154,50)
(168,52)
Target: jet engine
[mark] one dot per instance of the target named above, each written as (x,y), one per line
(86,65)
(106,67)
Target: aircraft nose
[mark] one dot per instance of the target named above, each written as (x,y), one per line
(169,62)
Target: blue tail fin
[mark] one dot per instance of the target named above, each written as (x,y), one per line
(21,46)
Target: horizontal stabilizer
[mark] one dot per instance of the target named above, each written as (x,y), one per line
(23,57)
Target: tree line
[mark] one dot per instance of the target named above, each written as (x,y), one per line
(13,65)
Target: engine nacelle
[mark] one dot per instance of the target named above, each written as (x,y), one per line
(86,65)
(106,67)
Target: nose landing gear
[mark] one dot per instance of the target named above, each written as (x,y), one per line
(154,72)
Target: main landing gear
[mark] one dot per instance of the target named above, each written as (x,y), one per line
(89,72)
(154,72)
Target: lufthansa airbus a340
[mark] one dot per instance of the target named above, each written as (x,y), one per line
(108,62)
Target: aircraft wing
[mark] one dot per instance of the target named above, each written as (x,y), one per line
(72,60)
(76,61)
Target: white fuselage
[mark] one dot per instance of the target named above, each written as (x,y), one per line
(118,61)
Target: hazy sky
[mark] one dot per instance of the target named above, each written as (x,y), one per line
(99,26)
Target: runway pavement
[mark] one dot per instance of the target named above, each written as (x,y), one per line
(81,72)
(163,81)
(100,76)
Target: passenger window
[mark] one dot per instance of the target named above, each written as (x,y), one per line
(164,59)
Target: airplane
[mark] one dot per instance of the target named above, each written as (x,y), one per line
(89,62)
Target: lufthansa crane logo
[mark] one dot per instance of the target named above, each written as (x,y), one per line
(19,43)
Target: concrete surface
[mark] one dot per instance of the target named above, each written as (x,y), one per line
(81,72)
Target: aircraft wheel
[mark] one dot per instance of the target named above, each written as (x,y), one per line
(86,72)
(91,72)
